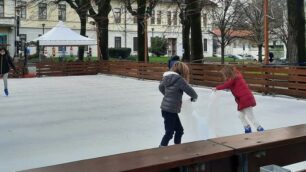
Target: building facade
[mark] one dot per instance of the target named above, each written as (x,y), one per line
(7,24)
(39,17)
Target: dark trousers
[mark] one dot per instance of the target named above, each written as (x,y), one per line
(172,124)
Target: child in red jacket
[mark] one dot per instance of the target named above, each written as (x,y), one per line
(243,96)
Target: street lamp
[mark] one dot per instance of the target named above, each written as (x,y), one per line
(98,40)
(43,27)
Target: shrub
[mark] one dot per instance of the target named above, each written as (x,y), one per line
(119,52)
(158,46)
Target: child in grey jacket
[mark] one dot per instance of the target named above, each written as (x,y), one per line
(172,86)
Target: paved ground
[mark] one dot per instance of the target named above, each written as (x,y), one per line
(53,120)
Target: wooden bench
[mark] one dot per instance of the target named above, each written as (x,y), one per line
(243,153)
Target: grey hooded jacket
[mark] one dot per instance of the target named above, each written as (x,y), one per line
(172,87)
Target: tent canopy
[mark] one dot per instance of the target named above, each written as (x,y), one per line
(62,35)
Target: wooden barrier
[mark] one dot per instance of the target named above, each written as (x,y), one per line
(286,80)
(283,146)
(239,153)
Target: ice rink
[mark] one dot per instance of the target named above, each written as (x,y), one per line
(53,120)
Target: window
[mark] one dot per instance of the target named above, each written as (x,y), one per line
(135,44)
(159,17)
(117,42)
(3,39)
(153,17)
(23,40)
(205,20)
(117,15)
(205,44)
(62,12)
(175,18)
(274,44)
(63,48)
(169,17)
(42,11)
(1,8)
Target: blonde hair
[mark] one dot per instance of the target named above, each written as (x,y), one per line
(229,72)
(182,69)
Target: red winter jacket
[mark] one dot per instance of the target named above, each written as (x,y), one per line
(239,88)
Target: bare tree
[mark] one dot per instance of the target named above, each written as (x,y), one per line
(296,30)
(226,19)
(194,14)
(185,21)
(81,8)
(99,10)
(254,22)
(279,24)
(143,11)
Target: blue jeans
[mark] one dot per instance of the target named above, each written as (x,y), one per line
(172,124)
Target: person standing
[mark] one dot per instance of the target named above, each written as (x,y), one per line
(172,86)
(5,64)
(243,96)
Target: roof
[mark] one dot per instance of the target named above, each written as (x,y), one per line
(62,35)
(234,33)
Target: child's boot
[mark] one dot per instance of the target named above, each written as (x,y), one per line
(6,92)
(259,128)
(247,129)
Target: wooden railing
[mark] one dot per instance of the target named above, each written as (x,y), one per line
(239,153)
(286,80)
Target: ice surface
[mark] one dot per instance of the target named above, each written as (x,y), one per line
(53,120)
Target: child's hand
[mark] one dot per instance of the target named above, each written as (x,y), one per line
(193,100)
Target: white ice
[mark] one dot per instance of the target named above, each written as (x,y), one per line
(53,120)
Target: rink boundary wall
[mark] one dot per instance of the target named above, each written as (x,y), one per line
(283,80)
(238,153)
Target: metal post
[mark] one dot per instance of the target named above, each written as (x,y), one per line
(43,27)
(98,41)
(125,31)
(266,32)
(43,48)
(145,39)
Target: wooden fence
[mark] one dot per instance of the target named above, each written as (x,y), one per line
(239,153)
(285,80)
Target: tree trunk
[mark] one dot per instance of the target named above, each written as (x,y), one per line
(185,36)
(300,18)
(259,46)
(103,37)
(222,52)
(196,32)
(292,32)
(83,33)
(142,42)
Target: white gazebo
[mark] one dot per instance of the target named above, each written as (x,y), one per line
(61,35)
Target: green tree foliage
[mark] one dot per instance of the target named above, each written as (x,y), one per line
(158,46)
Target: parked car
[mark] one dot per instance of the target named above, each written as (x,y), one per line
(234,56)
(249,57)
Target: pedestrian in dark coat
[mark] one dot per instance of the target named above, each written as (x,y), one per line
(172,61)
(173,85)
(5,64)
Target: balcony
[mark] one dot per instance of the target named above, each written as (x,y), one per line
(7,21)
